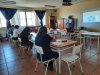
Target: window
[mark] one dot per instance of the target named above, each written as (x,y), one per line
(27,18)
(2,21)
(22,18)
(30,18)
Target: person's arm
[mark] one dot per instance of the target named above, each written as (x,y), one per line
(30,36)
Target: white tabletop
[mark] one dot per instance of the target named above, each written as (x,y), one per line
(90,33)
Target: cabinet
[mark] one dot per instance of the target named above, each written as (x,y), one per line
(52,22)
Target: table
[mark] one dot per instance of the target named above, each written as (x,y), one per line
(92,34)
(68,44)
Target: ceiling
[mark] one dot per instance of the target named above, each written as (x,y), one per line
(53,4)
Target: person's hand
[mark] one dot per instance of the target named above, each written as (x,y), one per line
(30,36)
(54,39)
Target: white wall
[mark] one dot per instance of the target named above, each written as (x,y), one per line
(77,11)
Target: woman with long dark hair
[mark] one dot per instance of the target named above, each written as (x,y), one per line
(25,36)
(43,40)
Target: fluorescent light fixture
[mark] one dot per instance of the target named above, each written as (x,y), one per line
(7,2)
(50,6)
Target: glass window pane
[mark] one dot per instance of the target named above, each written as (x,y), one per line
(29,21)
(30,18)
(23,22)
(22,14)
(1,16)
(22,19)
(33,18)
(29,15)
(3,22)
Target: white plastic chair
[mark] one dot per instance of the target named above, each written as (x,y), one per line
(13,41)
(55,32)
(71,58)
(64,34)
(40,51)
(48,30)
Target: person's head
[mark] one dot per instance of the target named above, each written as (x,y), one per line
(25,32)
(12,26)
(70,17)
(27,29)
(42,30)
(16,26)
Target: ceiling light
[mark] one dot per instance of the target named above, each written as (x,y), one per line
(50,6)
(7,2)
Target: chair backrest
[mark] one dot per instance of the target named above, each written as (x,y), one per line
(48,30)
(63,33)
(55,32)
(19,39)
(77,49)
(39,49)
(58,30)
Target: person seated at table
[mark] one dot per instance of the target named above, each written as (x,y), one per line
(70,30)
(25,39)
(11,29)
(43,40)
(15,33)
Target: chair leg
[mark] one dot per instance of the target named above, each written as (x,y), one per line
(81,66)
(69,68)
(13,42)
(10,40)
(46,68)
(36,65)
(55,65)
(19,50)
(23,51)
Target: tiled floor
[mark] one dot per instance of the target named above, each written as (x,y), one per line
(12,63)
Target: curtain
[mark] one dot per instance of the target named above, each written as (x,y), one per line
(40,14)
(8,13)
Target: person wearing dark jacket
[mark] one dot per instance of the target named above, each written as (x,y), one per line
(25,38)
(43,40)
